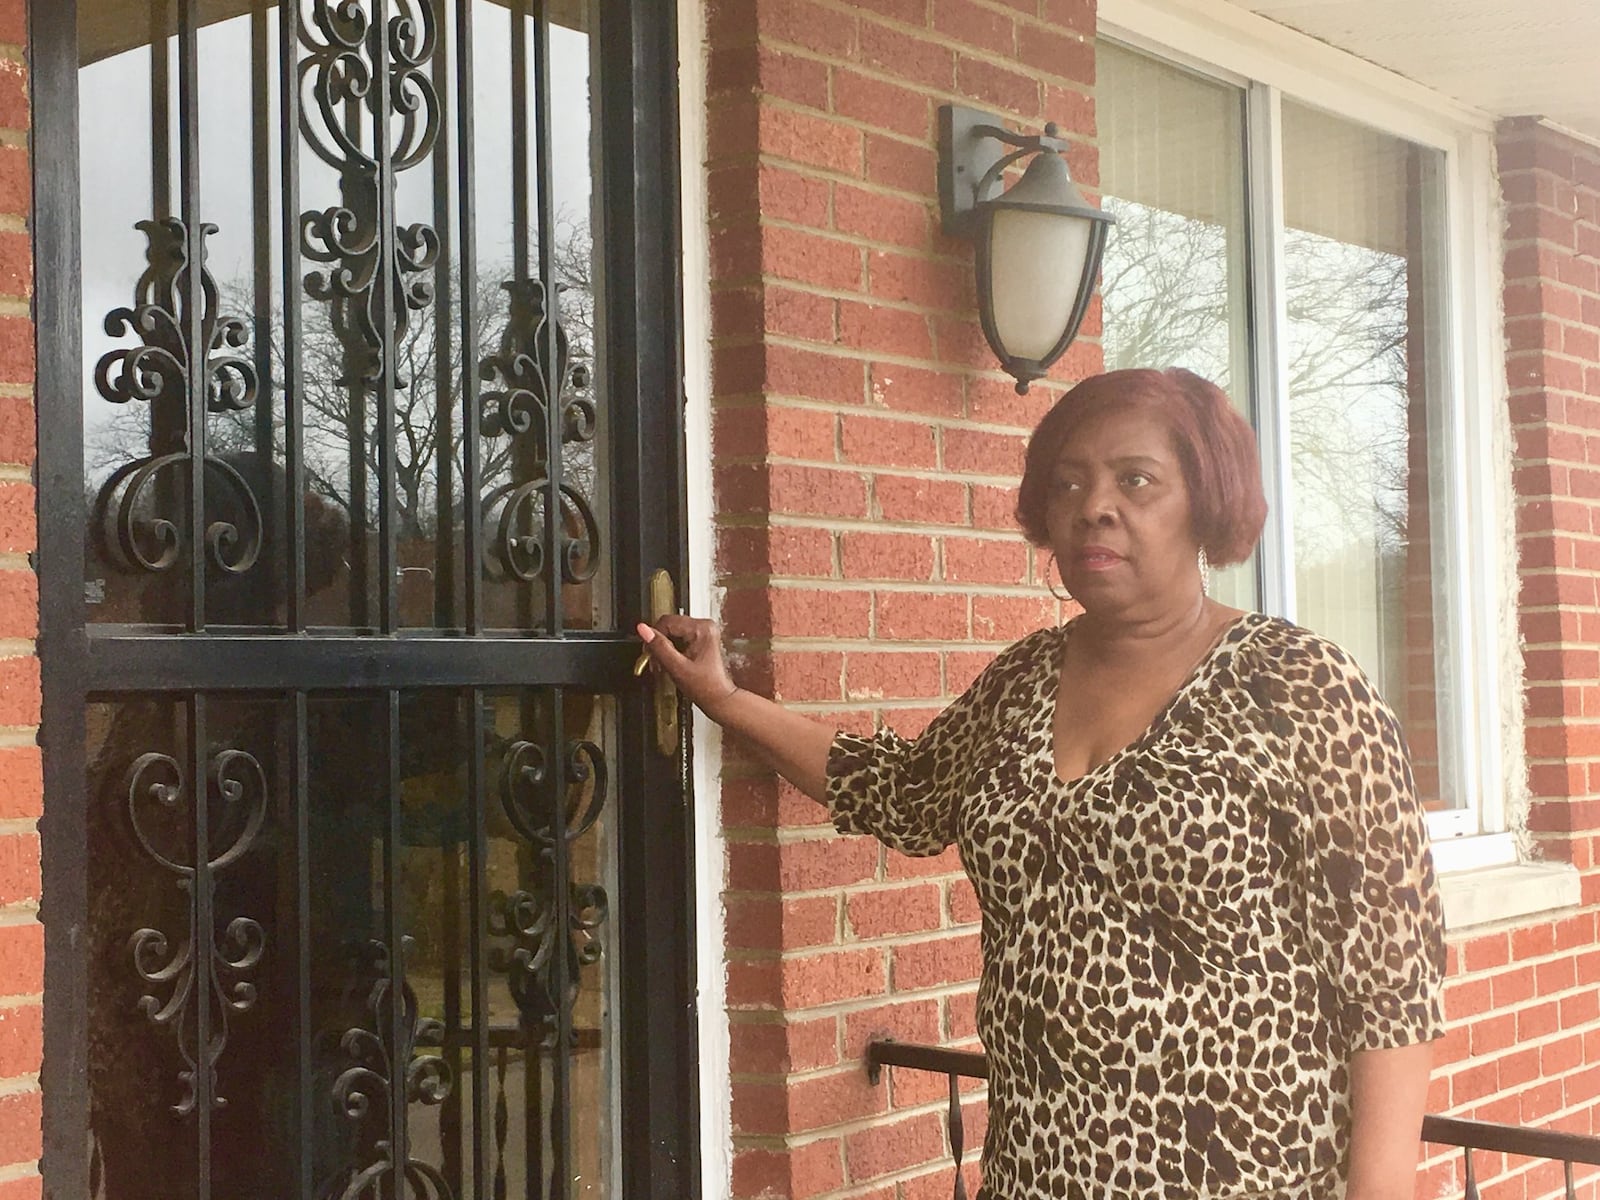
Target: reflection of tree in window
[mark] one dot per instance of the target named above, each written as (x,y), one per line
(1347,383)
(1165,288)
(417,425)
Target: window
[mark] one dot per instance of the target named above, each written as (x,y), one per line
(1303,260)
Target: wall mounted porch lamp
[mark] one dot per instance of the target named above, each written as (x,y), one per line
(1037,245)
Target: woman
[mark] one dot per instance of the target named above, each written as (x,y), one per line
(1212,941)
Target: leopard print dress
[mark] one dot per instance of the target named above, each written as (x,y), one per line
(1183,947)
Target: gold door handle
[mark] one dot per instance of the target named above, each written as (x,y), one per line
(663,600)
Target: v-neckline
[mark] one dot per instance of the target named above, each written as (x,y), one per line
(1230,634)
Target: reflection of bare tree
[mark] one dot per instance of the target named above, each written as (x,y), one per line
(1168,302)
(428,414)
(1348,392)
(1165,285)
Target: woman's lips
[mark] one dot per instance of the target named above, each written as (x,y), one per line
(1097,558)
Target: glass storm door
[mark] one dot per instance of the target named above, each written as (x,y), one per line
(358,357)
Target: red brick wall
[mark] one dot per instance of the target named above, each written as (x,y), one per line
(21,944)
(1524,1001)
(866,449)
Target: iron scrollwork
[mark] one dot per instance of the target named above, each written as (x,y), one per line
(523,380)
(378,1065)
(352,64)
(156,785)
(529,917)
(136,519)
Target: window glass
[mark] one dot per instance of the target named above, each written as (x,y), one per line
(1173,275)
(1362,259)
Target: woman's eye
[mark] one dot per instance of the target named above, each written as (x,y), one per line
(1065,485)
(1136,479)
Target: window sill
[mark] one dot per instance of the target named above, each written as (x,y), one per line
(1484,895)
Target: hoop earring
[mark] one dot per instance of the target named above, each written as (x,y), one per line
(1064,596)
(1205,573)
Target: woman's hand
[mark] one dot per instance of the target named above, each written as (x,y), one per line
(691,655)
(689,650)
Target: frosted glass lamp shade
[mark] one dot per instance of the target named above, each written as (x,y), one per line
(1036,262)
(1038,254)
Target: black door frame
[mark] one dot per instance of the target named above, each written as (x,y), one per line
(654,931)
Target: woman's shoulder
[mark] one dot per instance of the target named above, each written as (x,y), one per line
(1287,659)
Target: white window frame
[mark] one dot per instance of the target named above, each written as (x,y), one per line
(1268,63)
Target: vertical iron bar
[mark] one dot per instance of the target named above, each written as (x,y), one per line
(477,882)
(160,111)
(523,461)
(553,526)
(957,1132)
(301,807)
(450,1127)
(520,210)
(561,887)
(1566,1172)
(444,374)
(63,827)
(387,293)
(361,200)
(261,238)
(193,301)
(200,940)
(394,933)
(293,399)
(1471,1192)
(467,250)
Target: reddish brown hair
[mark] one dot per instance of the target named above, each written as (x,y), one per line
(1215,445)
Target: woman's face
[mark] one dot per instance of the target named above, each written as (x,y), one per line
(1118,517)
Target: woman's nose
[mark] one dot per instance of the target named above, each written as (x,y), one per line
(1099,506)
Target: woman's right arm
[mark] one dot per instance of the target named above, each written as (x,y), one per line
(793,745)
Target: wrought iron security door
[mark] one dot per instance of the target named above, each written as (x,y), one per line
(358,359)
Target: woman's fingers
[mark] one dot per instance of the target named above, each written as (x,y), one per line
(689,650)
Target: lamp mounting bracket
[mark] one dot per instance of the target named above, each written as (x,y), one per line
(974,148)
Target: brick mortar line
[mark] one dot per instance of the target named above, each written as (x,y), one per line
(749,581)
(841,645)
(1489,974)
(18,648)
(17,139)
(785,403)
(19,737)
(895,941)
(934,474)
(914,587)
(1461,1065)
(859,1004)
(929,36)
(845,1067)
(19,1085)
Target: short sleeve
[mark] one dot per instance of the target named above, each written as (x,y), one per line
(1376,921)
(907,792)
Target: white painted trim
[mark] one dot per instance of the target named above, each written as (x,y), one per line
(715,1090)
(1270,317)
(1253,47)
(1507,893)
(1453,855)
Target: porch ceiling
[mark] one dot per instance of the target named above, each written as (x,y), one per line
(1505,57)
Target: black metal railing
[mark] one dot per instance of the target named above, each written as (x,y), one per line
(1569,1149)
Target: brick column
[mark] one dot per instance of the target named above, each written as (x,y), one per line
(21,943)
(866,452)
(1552,264)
